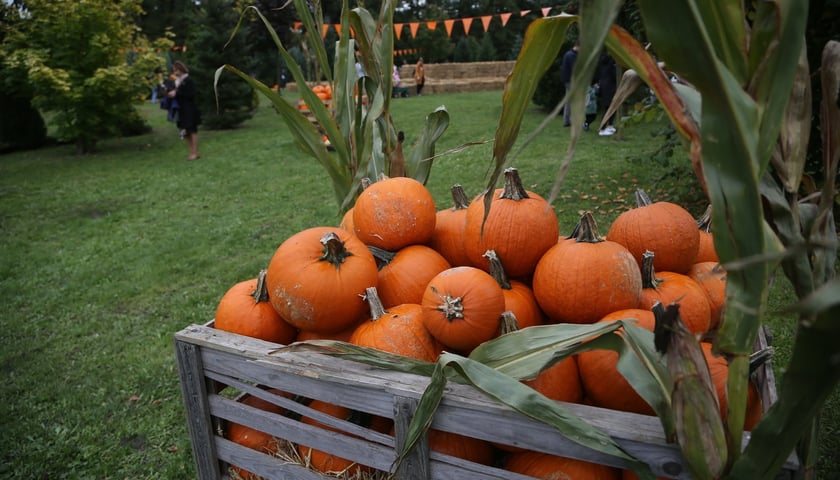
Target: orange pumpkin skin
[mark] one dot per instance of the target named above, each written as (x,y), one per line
(316,279)
(706,250)
(719,370)
(519,228)
(342,336)
(252,438)
(240,312)
(559,382)
(519,297)
(403,279)
(552,467)
(581,280)
(603,384)
(394,213)
(400,330)
(712,279)
(347,221)
(662,227)
(455,445)
(450,224)
(462,306)
(670,287)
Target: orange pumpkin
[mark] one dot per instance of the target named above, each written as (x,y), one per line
(719,371)
(560,381)
(603,385)
(245,309)
(394,213)
(706,252)
(520,227)
(519,298)
(581,279)
(552,467)
(253,438)
(455,445)
(398,330)
(712,279)
(669,287)
(450,223)
(403,275)
(461,307)
(662,227)
(317,277)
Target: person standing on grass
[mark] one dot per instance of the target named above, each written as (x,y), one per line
(419,76)
(189,117)
(607,83)
(566,67)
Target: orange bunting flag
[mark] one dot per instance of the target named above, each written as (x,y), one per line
(505,17)
(337,29)
(431,25)
(297,25)
(448,24)
(545,11)
(524,12)
(398,29)
(467,22)
(324,29)
(413,27)
(485,20)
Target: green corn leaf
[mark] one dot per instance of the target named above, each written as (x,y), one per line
(419,160)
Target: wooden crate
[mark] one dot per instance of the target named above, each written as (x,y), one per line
(209,359)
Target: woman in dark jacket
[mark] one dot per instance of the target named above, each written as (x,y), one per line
(189,118)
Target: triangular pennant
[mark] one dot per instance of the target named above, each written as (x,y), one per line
(545,11)
(467,22)
(524,12)
(324,29)
(297,25)
(505,17)
(431,25)
(448,24)
(398,29)
(337,27)
(413,27)
(485,20)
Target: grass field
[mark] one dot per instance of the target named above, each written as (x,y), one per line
(105,257)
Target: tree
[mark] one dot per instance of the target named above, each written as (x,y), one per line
(83,63)
(234,101)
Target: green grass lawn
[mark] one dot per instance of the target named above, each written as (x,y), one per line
(105,257)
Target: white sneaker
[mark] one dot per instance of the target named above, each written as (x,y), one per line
(605,132)
(611,129)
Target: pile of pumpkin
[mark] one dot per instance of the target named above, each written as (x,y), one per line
(322,91)
(401,276)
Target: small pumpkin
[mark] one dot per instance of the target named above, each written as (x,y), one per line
(450,224)
(669,287)
(393,213)
(251,437)
(552,467)
(706,251)
(461,307)
(711,276)
(244,309)
(719,371)
(603,385)
(520,227)
(399,330)
(404,274)
(519,297)
(461,446)
(663,227)
(581,279)
(317,277)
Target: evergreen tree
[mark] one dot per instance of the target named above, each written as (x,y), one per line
(486,50)
(207,51)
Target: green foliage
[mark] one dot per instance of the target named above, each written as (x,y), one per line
(72,58)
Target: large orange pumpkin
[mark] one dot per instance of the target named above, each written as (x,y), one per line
(450,225)
(603,385)
(520,227)
(468,448)
(253,438)
(706,252)
(560,381)
(245,309)
(398,330)
(394,213)
(711,276)
(404,274)
(719,371)
(670,287)
(581,279)
(462,306)
(552,467)
(519,297)
(317,277)
(662,227)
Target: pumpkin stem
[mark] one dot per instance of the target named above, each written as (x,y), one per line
(649,279)
(383,257)
(261,292)
(377,311)
(334,251)
(513,186)
(452,307)
(459,197)
(508,322)
(705,221)
(642,198)
(497,270)
(587,229)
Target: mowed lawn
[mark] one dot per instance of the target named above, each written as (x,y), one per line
(104,257)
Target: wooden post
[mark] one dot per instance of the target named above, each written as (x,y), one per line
(416,465)
(199,421)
